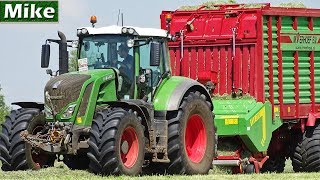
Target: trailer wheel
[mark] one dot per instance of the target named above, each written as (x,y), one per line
(298,154)
(191,136)
(116,144)
(76,162)
(249,169)
(274,164)
(16,154)
(307,152)
(311,144)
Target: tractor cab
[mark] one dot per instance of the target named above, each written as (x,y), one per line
(138,55)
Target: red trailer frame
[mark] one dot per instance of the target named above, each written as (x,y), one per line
(251,42)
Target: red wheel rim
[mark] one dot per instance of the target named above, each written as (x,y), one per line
(195,138)
(39,158)
(129,147)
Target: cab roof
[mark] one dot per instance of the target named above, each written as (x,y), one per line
(118,30)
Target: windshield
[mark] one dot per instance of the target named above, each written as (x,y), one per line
(104,51)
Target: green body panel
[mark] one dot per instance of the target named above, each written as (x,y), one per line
(297,43)
(274,59)
(103,90)
(250,120)
(165,91)
(104,80)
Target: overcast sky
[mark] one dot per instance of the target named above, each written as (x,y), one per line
(21,77)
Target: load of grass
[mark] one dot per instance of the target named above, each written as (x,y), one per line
(212,5)
(293,5)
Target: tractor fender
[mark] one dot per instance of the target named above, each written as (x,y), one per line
(172,92)
(37,105)
(140,109)
(143,113)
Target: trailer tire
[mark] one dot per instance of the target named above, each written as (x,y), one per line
(249,169)
(76,162)
(16,154)
(312,148)
(191,150)
(108,156)
(274,164)
(298,155)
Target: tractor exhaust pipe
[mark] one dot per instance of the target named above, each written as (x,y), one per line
(63,54)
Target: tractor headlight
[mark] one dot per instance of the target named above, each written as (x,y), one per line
(69,111)
(130,30)
(84,31)
(48,112)
(130,43)
(124,30)
(79,32)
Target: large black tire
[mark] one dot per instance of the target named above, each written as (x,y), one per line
(274,164)
(307,155)
(112,136)
(77,162)
(15,154)
(311,144)
(249,169)
(193,117)
(298,155)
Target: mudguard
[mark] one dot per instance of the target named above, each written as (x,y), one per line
(172,91)
(38,105)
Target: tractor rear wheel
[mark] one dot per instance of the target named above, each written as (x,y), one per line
(16,154)
(191,136)
(116,144)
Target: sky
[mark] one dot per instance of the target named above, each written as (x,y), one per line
(21,77)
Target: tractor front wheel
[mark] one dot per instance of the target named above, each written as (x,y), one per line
(191,136)
(117,143)
(16,154)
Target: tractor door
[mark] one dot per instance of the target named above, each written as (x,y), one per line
(149,74)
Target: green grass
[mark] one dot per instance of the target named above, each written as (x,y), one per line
(60,171)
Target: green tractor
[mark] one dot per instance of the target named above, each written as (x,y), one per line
(122,112)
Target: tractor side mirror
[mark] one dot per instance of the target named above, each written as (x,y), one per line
(45,55)
(155,49)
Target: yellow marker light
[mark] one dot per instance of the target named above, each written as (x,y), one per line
(79,120)
(93,19)
(168,17)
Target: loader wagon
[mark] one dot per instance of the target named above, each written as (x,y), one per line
(263,66)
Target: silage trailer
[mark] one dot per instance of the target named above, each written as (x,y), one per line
(262,65)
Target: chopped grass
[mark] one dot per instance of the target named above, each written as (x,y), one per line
(212,5)
(293,5)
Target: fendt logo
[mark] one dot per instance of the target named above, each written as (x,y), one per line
(29,11)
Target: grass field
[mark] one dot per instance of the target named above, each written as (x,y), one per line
(62,172)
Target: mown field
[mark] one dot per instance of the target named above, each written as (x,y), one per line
(62,172)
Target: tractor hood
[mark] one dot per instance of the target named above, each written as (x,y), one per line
(68,90)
